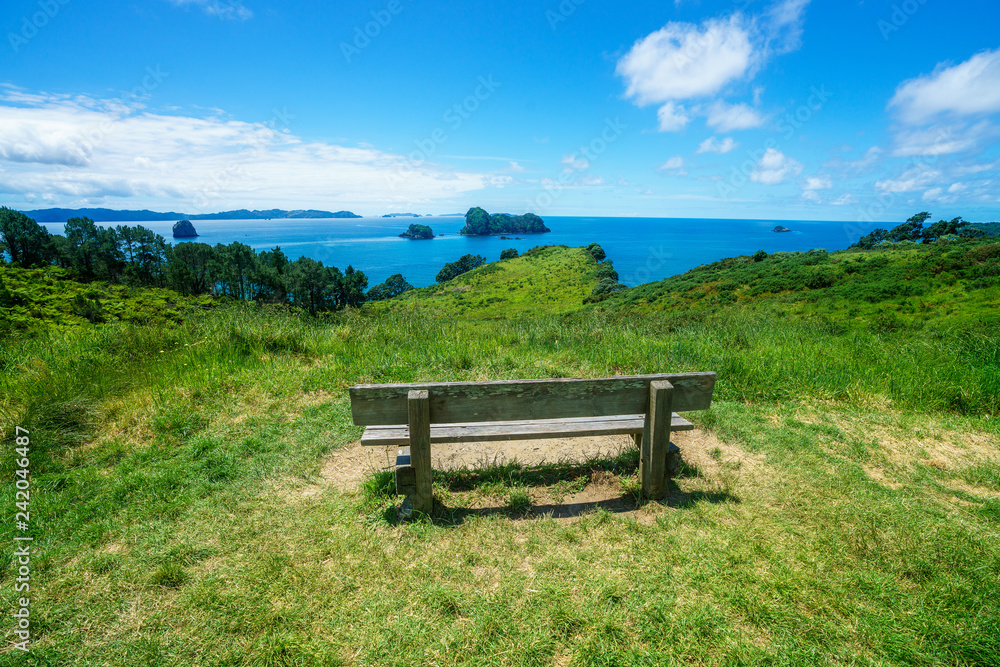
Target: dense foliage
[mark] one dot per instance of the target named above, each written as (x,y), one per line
(459,266)
(394,285)
(596,251)
(480,223)
(137,256)
(509,253)
(913,230)
(953,280)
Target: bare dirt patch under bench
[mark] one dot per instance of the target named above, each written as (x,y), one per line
(346,468)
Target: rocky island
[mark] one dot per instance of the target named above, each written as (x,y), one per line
(401,215)
(183,229)
(781,228)
(418,232)
(480,223)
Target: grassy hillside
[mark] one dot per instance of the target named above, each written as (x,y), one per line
(47,298)
(844,512)
(544,280)
(906,285)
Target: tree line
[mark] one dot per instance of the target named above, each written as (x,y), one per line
(913,230)
(138,256)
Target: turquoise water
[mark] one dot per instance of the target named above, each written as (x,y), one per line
(643,249)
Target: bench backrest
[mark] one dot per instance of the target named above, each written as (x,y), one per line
(512,400)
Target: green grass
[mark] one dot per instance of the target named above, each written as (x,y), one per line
(907,286)
(32,299)
(545,280)
(844,511)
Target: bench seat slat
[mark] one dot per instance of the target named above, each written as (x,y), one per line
(398,434)
(508,400)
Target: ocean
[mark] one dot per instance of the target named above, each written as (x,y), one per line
(642,249)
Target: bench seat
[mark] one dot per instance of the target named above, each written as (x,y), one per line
(399,434)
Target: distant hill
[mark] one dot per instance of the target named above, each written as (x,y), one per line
(991,228)
(144,215)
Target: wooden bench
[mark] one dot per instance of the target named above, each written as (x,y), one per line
(413,416)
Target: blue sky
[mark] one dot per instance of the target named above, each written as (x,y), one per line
(782,109)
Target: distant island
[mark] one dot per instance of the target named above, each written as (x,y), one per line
(183,229)
(418,232)
(780,228)
(111,215)
(480,223)
(401,215)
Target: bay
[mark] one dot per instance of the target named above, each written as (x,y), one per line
(642,249)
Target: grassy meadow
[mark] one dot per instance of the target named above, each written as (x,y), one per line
(848,514)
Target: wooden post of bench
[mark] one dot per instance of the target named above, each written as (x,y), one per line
(656,440)
(418,407)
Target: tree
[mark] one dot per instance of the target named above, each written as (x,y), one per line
(607,272)
(28,243)
(188,268)
(461,265)
(394,285)
(509,253)
(871,240)
(271,279)
(596,251)
(351,288)
(911,230)
(943,228)
(311,284)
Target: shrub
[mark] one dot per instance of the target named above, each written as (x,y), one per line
(509,253)
(454,269)
(596,251)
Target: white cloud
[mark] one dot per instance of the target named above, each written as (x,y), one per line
(818,183)
(672,117)
(914,178)
(774,167)
(574,162)
(969,88)
(57,148)
(844,200)
(932,194)
(713,145)
(683,60)
(224,9)
(868,161)
(784,25)
(675,162)
(727,117)
(944,139)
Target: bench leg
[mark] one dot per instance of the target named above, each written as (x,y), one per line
(656,440)
(418,409)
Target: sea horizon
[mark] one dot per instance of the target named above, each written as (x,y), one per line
(643,249)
